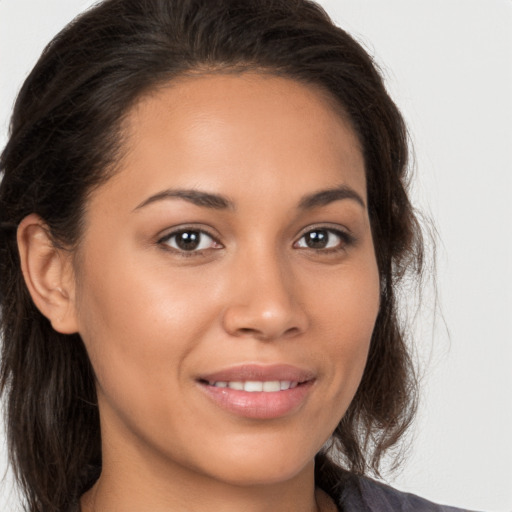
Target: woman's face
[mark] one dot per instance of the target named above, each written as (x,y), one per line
(227,286)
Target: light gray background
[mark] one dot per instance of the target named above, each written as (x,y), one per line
(448,64)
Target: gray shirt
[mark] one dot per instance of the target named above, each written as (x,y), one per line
(360,494)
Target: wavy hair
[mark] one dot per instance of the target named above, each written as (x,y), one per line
(65,139)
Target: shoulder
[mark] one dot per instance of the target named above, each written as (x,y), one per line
(361,494)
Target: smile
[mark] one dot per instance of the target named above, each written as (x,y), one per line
(254,386)
(259,391)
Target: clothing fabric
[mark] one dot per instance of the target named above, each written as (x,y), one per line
(361,494)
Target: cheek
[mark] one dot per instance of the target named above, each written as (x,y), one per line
(137,321)
(347,309)
(348,298)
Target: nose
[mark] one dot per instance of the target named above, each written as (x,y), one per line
(264,301)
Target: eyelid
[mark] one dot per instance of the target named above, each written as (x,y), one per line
(172,232)
(347,238)
(335,228)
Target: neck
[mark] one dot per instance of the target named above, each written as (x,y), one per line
(138,492)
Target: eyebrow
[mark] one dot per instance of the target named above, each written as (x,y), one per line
(219,202)
(203,199)
(327,196)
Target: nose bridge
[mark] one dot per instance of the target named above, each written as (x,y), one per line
(263,301)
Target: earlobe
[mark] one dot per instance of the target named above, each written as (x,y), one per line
(48,274)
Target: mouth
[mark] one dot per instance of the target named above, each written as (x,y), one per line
(259,392)
(255,386)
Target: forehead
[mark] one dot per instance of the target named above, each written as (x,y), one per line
(239,133)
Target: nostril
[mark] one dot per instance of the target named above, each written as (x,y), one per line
(264,335)
(247,330)
(292,331)
(262,321)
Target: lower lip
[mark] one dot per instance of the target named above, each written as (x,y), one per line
(259,405)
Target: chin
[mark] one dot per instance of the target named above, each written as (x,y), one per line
(265,473)
(266,465)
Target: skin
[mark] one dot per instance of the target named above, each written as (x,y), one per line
(154,317)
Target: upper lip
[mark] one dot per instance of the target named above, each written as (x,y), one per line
(257,372)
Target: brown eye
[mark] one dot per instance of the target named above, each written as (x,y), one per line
(323,238)
(190,240)
(318,239)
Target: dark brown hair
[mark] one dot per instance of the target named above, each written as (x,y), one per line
(65,138)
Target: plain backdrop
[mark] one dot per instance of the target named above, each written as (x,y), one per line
(448,65)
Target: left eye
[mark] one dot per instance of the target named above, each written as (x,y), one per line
(190,240)
(321,239)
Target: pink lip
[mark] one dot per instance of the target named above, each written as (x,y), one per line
(260,372)
(259,405)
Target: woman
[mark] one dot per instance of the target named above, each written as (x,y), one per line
(204,224)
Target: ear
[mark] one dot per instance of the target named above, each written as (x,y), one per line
(48,273)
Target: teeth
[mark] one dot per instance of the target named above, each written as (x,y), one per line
(270,386)
(253,386)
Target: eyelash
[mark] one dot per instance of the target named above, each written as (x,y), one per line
(345,240)
(164,241)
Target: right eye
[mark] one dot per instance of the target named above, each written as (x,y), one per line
(190,240)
